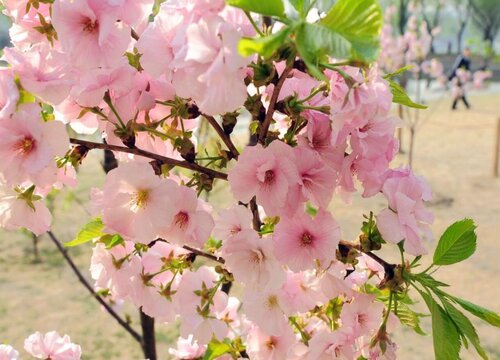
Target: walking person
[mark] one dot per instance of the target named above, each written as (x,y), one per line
(459,76)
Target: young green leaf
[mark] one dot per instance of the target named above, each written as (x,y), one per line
(267,7)
(444,332)
(265,46)
(429,281)
(215,349)
(456,244)
(397,72)
(399,96)
(465,327)
(487,315)
(408,317)
(360,23)
(90,231)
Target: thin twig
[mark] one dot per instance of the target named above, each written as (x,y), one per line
(91,290)
(204,254)
(163,159)
(224,137)
(272,102)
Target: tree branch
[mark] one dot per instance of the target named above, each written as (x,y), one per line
(91,290)
(272,103)
(225,138)
(204,254)
(163,159)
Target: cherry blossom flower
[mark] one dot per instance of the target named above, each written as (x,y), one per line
(250,258)
(187,349)
(28,146)
(363,315)
(300,240)
(7,352)
(267,173)
(261,346)
(90,27)
(42,71)
(406,218)
(265,308)
(232,221)
(135,205)
(52,346)
(191,223)
(326,345)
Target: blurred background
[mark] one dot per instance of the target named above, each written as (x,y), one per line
(453,149)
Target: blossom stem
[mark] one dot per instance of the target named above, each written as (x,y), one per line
(89,287)
(224,137)
(272,103)
(163,159)
(252,21)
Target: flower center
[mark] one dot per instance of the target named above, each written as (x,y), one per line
(271,343)
(256,257)
(141,199)
(306,239)
(26,145)
(89,25)
(269,177)
(181,219)
(272,301)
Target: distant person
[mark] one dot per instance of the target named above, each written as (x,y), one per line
(460,74)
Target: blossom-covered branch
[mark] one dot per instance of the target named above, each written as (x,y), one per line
(162,159)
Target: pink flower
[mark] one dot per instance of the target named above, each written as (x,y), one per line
(42,71)
(317,180)
(406,218)
(363,314)
(326,345)
(232,221)
(267,173)
(94,83)
(90,27)
(265,309)
(301,293)
(9,95)
(137,205)
(18,210)
(156,59)
(187,349)
(191,223)
(250,258)
(261,346)
(7,352)
(209,68)
(300,240)
(52,346)
(28,146)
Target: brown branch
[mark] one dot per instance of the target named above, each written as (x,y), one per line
(255,214)
(91,290)
(163,159)
(272,103)
(225,138)
(204,254)
(134,34)
(388,268)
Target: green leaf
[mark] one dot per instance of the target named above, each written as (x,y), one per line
(429,281)
(444,332)
(264,7)
(399,96)
(465,327)
(360,23)
(111,240)
(265,46)
(487,315)
(314,42)
(408,317)
(90,231)
(215,349)
(456,244)
(397,72)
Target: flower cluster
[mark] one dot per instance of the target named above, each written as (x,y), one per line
(147,82)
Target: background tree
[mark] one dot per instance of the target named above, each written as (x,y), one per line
(486,17)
